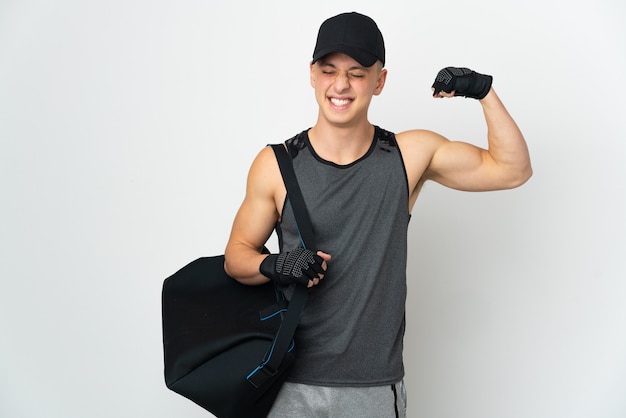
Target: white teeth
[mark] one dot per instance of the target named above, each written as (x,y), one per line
(340,102)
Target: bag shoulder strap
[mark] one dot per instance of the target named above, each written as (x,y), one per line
(303,221)
(284,336)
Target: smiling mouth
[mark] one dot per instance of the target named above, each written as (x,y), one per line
(340,102)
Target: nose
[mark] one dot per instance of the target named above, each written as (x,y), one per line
(342,83)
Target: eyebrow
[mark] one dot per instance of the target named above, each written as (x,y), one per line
(328,64)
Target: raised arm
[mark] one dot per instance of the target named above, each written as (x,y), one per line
(459,165)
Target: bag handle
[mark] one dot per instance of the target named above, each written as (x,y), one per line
(287,329)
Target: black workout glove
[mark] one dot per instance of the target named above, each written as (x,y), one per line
(297,266)
(463,81)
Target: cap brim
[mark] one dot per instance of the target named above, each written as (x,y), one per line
(362,57)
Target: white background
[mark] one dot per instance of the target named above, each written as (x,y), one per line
(127,129)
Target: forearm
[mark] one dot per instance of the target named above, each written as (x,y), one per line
(507,145)
(242,263)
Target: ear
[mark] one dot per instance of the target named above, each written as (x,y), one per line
(380,82)
(311,75)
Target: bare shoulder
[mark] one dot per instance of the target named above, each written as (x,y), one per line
(264,179)
(419,141)
(418,148)
(265,163)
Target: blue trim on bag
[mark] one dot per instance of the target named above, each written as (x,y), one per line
(267,359)
(273,314)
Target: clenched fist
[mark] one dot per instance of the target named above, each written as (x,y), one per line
(463,82)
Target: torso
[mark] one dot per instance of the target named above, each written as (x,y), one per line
(351,330)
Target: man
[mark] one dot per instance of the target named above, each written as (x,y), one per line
(360,183)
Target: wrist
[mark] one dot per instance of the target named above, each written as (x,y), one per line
(481,86)
(268,266)
(488,96)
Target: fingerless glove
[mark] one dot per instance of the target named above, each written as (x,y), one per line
(463,81)
(297,266)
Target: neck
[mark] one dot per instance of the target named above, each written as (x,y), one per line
(341,145)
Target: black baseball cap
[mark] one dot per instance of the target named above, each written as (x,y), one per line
(353,34)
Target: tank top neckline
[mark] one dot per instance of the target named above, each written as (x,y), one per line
(343,166)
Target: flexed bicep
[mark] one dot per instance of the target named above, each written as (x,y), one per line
(463,166)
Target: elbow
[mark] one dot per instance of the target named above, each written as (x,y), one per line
(521,176)
(230,272)
(529,174)
(233,273)
(243,268)
(226,269)
(230,268)
(226,258)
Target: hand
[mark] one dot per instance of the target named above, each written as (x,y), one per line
(300,266)
(453,81)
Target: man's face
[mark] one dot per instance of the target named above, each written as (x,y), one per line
(344,88)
